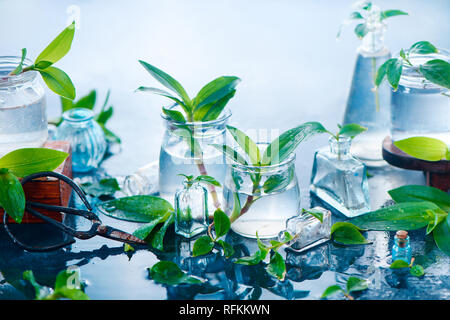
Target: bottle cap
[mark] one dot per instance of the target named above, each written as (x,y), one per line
(401,234)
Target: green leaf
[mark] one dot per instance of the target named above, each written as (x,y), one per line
(228,249)
(437,71)
(166,94)
(281,148)
(88,101)
(215,90)
(402,216)
(382,71)
(417,193)
(26,161)
(202,245)
(315,213)
(144,231)
(141,208)
(263,249)
(40,291)
(158,238)
(399,264)
(66,104)
(278,182)
(356,284)
(128,248)
(424,148)
(208,180)
(58,81)
(104,116)
(247,144)
(104,187)
(67,293)
(167,81)
(167,272)
(221,223)
(12,197)
(68,278)
(58,48)
(422,47)
(252,260)
(392,13)
(19,68)
(417,270)
(176,116)
(347,234)
(394,72)
(361,30)
(212,110)
(232,154)
(277,266)
(109,135)
(331,290)
(441,235)
(351,130)
(236,207)
(356,15)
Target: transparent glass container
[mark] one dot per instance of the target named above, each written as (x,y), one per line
(191,210)
(142,182)
(261,198)
(401,249)
(339,179)
(365,105)
(186,149)
(23,117)
(419,107)
(86,138)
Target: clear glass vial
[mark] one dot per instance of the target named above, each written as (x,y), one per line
(86,138)
(365,105)
(143,182)
(339,179)
(191,210)
(419,107)
(261,198)
(23,117)
(401,249)
(308,230)
(186,149)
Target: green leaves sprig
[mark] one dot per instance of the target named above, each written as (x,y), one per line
(206,106)
(56,79)
(18,164)
(424,148)
(167,272)
(208,180)
(436,71)
(353,284)
(415,270)
(350,130)
(104,188)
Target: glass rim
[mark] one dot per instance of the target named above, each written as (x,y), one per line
(68,115)
(7,80)
(248,167)
(224,115)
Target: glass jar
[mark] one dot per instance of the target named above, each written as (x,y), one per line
(86,138)
(365,105)
(186,149)
(23,117)
(261,198)
(419,107)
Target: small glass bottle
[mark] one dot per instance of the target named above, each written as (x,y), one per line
(191,210)
(401,249)
(308,230)
(143,182)
(339,179)
(365,105)
(86,138)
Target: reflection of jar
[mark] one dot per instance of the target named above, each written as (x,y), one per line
(186,149)
(86,138)
(261,198)
(419,107)
(23,118)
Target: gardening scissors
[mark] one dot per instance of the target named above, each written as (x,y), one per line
(97,228)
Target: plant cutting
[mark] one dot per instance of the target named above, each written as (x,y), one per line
(353,284)
(56,79)
(414,269)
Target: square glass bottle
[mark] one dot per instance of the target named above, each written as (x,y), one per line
(339,179)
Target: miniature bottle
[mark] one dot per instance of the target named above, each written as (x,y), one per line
(143,182)
(401,249)
(307,230)
(366,105)
(191,210)
(339,179)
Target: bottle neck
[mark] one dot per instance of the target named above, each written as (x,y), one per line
(373,41)
(340,147)
(402,243)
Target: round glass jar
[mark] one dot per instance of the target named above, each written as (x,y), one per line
(186,149)
(419,107)
(259,199)
(23,117)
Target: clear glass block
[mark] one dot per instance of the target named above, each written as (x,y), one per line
(307,230)
(191,210)
(86,138)
(419,107)
(339,179)
(23,117)
(261,205)
(365,105)
(143,182)
(186,149)
(307,265)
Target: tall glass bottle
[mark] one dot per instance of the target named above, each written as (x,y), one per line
(366,105)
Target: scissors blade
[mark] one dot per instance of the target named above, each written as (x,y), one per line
(119,235)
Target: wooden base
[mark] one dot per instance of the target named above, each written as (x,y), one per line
(49,190)
(437,172)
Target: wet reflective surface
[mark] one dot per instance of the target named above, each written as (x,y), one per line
(265,44)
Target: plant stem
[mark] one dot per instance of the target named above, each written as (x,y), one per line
(212,189)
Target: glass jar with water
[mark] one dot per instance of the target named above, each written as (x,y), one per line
(23,117)
(419,107)
(259,199)
(186,149)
